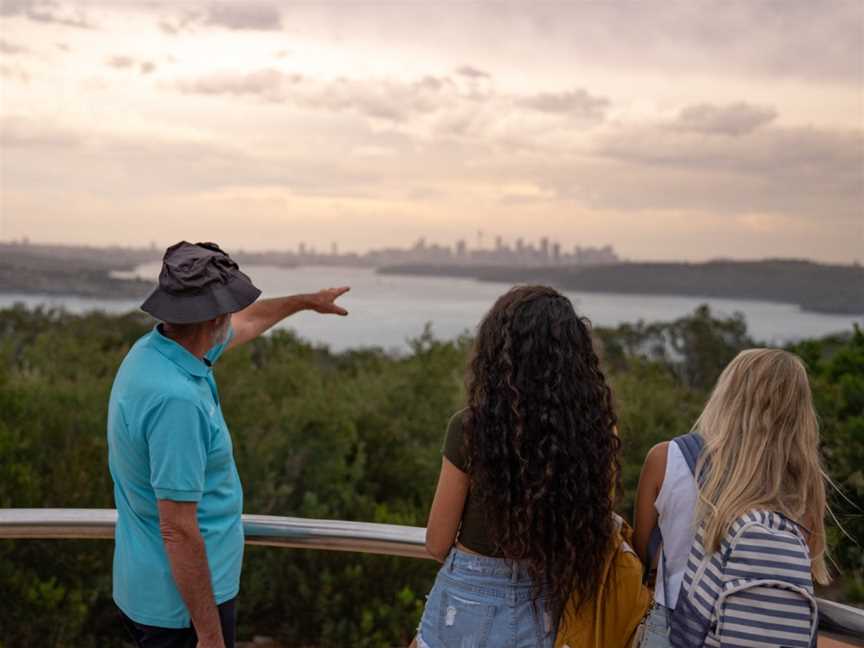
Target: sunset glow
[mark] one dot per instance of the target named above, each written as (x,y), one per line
(669,130)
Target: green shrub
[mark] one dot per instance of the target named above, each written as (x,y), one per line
(353,436)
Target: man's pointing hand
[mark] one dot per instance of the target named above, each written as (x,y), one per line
(324,301)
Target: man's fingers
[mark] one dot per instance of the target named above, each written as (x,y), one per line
(327,299)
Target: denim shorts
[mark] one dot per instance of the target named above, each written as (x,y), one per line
(656,629)
(483,602)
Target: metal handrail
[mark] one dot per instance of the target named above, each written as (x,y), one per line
(267,530)
(300,533)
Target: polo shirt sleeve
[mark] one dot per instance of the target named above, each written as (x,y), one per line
(214,353)
(178,440)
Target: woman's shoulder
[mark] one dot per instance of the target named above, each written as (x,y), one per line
(655,460)
(454,441)
(459,418)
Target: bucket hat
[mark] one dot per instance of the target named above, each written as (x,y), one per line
(198,282)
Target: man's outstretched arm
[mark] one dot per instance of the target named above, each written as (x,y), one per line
(253,320)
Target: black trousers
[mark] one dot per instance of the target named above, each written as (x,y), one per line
(154,637)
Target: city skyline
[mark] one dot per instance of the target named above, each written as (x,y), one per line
(671,131)
(546,252)
(522,252)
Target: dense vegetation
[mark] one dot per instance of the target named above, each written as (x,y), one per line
(352,436)
(810,285)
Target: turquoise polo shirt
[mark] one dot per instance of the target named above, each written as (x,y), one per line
(167,439)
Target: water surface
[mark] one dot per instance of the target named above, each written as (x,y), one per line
(387,310)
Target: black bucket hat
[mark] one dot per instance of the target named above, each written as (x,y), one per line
(198,283)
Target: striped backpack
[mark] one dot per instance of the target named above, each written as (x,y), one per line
(755,591)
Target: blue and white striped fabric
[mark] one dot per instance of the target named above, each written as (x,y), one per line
(756,591)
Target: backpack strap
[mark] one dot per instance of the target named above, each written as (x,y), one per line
(654,542)
(691,446)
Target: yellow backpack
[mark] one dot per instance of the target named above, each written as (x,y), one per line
(612,619)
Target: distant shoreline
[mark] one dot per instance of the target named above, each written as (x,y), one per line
(88,272)
(814,287)
(77,282)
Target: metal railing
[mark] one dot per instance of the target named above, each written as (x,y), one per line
(267,530)
(300,533)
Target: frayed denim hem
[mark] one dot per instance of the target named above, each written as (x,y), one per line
(421,643)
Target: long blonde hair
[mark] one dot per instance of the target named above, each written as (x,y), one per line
(762,450)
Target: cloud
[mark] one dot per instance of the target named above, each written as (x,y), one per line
(472,72)
(127,63)
(146,165)
(176,25)
(377,99)
(577,103)
(733,120)
(14,73)
(811,173)
(426,194)
(429,106)
(387,100)
(794,39)
(121,62)
(248,15)
(806,178)
(761,151)
(10,48)
(45,11)
(18,132)
(255,16)
(267,84)
(19,7)
(791,39)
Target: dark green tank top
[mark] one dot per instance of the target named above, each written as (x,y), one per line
(472,530)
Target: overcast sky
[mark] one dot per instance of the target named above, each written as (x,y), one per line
(671,130)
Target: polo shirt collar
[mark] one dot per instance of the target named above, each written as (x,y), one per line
(178,354)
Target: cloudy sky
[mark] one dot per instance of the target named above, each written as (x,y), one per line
(669,129)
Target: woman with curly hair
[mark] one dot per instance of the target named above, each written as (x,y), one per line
(522,515)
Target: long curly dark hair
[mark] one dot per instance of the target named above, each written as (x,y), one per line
(541,443)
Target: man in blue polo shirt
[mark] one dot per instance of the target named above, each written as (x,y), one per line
(179,537)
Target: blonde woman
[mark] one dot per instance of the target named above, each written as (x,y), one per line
(761,453)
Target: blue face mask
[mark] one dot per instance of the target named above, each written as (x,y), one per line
(221,335)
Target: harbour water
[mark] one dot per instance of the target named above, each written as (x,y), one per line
(387,310)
